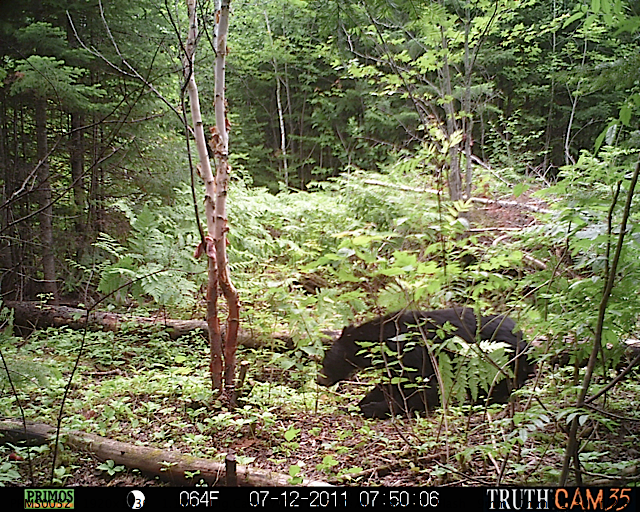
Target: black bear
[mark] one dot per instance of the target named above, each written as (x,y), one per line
(407,358)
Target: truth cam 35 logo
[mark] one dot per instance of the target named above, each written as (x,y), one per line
(569,499)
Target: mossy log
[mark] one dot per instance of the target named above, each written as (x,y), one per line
(169,466)
(35,315)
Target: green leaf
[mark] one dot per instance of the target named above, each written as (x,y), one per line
(329,461)
(519,189)
(394,271)
(572,18)
(361,240)
(294,470)
(625,115)
(292,433)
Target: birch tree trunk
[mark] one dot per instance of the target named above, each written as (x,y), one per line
(283,137)
(220,146)
(215,202)
(467,120)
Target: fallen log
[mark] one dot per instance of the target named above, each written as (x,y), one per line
(35,315)
(481,200)
(169,466)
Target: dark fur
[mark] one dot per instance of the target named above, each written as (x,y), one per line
(344,357)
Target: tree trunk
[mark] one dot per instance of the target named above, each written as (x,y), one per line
(215,338)
(283,137)
(466,107)
(94,217)
(574,98)
(221,150)
(215,243)
(455,179)
(7,273)
(547,160)
(76,161)
(46,215)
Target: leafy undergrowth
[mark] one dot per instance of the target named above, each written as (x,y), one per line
(304,263)
(142,387)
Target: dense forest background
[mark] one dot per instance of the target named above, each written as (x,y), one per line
(369,143)
(314,92)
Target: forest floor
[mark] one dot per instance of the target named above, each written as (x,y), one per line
(288,425)
(343,448)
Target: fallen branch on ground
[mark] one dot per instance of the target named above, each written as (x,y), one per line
(35,315)
(170,466)
(481,200)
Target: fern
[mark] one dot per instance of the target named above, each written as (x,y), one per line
(471,369)
(474,380)
(445,366)
(156,261)
(23,371)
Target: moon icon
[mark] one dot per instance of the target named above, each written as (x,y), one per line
(135,500)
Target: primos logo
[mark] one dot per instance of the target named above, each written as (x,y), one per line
(48,498)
